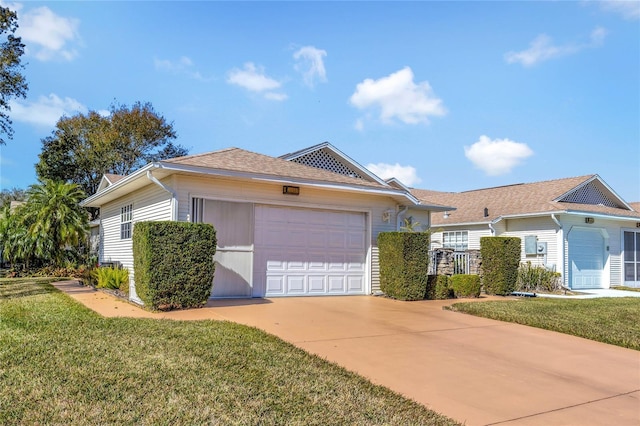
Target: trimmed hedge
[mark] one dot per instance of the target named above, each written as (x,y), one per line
(500,261)
(404,263)
(443,290)
(173,263)
(465,285)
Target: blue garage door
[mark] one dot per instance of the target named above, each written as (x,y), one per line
(586,259)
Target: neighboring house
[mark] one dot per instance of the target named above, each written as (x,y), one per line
(302,224)
(578,226)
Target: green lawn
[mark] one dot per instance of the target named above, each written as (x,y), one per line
(61,363)
(622,287)
(609,320)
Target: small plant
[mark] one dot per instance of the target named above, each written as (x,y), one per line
(537,278)
(465,285)
(112,278)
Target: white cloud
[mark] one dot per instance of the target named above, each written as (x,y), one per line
(46,111)
(184,65)
(254,79)
(359,125)
(398,97)
(405,174)
(542,49)
(46,35)
(628,9)
(310,64)
(498,156)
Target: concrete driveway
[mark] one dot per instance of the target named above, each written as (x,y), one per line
(475,370)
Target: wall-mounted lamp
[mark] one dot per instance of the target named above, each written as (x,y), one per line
(588,220)
(446,215)
(291,190)
(386,215)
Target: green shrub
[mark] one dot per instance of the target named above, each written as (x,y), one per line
(112,278)
(404,263)
(465,285)
(173,263)
(537,278)
(442,290)
(430,293)
(500,261)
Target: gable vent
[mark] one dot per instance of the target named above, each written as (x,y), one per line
(321,159)
(590,194)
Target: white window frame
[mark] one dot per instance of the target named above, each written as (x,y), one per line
(126,221)
(456,240)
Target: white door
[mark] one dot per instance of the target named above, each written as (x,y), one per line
(586,258)
(234,252)
(304,252)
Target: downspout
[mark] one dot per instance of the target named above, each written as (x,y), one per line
(561,251)
(174,196)
(400,217)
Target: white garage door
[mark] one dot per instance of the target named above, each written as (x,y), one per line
(304,252)
(586,258)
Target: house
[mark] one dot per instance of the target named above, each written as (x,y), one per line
(578,226)
(302,224)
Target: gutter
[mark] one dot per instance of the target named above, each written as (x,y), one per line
(174,196)
(555,219)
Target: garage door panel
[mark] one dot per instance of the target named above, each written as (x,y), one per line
(355,284)
(336,240)
(317,238)
(310,252)
(317,284)
(296,284)
(586,258)
(275,285)
(337,284)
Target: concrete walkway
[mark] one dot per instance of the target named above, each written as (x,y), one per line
(475,370)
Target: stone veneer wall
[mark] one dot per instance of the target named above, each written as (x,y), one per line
(444,261)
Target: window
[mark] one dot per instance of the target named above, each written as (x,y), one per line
(457,240)
(631,256)
(197,210)
(126,214)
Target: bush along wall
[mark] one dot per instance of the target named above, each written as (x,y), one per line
(500,261)
(465,285)
(442,290)
(404,263)
(173,263)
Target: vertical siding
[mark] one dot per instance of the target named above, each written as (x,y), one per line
(149,203)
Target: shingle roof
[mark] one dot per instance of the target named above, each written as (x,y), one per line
(635,205)
(519,199)
(113,178)
(240,160)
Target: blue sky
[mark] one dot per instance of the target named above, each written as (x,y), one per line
(447,96)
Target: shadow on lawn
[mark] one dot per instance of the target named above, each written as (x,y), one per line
(10,290)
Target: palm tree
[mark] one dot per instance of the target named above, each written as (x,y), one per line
(54,218)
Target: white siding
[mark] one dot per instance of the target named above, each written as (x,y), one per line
(475,232)
(544,229)
(149,203)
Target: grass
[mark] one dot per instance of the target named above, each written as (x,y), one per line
(61,363)
(607,320)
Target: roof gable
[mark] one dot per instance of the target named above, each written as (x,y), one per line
(327,157)
(583,193)
(250,163)
(108,179)
(595,192)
